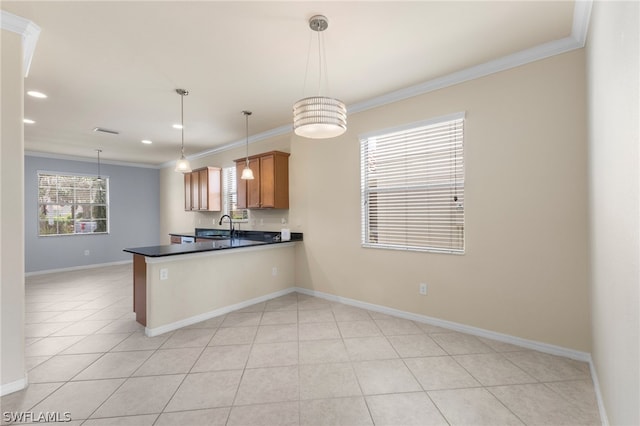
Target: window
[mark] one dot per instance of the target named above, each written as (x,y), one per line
(71,204)
(230,196)
(413,186)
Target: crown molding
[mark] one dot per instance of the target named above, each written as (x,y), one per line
(87,160)
(29,32)
(577,40)
(514,60)
(282,130)
(581,19)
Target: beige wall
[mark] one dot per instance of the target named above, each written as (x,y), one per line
(12,212)
(525,268)
(201,283)
(614,95)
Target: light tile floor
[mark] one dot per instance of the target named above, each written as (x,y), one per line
(294,360)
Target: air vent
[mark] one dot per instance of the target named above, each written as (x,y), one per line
(102,130)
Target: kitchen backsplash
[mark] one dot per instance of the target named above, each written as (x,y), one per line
(262,220)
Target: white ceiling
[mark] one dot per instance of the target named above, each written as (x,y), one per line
(116,65)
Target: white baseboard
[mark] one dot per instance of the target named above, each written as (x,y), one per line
(12,387)
(151,332)
(525,343)
(450,325)
(77,268)
(596,386)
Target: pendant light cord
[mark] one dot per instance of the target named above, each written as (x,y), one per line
(182,121)
(319,65)
(99,151)
(246,115)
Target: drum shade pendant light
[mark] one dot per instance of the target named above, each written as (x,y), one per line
(247,173)
(182,165)
(319,117)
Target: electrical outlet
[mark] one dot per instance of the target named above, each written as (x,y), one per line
(423,289)
(87,252)
(164,274)
(274,271)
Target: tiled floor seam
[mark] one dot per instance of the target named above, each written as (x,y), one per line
(244,369)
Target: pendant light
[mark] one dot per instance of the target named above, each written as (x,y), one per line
(99,177)
(182,165)
(319,117)
(247,173)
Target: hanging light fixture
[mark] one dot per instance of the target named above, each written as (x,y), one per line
(182,165)
(99,177)
(247,173)
(319,117)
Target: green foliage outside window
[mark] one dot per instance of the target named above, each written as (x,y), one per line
(69,204)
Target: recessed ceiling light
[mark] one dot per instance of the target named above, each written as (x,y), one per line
(36,94)
(146,141)
(177,126)
(28,121)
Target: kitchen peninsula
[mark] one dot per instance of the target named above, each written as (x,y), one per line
(181,284)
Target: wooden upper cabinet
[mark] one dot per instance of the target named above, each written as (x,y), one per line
(210,189)
(202,190)
(187,191)
(253,186)
(241,186)
(270,187)
(195,190)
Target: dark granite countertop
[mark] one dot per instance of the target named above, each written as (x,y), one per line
(218,242)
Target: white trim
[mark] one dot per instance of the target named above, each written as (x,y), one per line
(517,341)
(580,26)
(77,268)
(16,386)
(596,386)
(517,59)
(29,32)
(581,18)
(87,159)
(577,39)
(282,130)
(152,332)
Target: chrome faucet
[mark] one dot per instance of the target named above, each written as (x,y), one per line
(230,224)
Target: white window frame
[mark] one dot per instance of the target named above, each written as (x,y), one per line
(81,226)
(230,196)
(419,209)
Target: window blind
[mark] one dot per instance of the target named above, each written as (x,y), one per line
(413,186)
(230,196)
(229,189)
(72,204)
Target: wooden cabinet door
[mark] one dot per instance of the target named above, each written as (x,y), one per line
(270,187)
(267,181)
(211,189)
(195,191)
(253,186)
(187,191)
(203,180)
(241,186)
